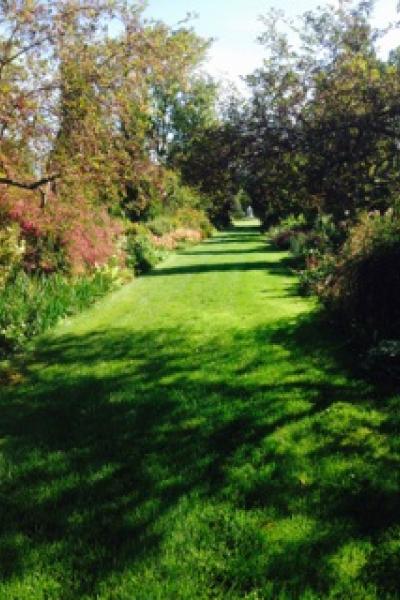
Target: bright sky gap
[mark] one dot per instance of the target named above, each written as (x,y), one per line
(235,25)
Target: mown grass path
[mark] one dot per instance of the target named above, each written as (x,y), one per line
(197,435)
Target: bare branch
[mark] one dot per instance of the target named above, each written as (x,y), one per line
(29,186)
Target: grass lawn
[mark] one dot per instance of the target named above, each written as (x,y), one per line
(199,434)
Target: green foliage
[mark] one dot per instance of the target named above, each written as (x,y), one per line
(161,225)
(361,283)
(240,202)
(178,196)
(29,305)
(317,272)
(147,243)
(319,131)
(385,561)
(142,255)
(287,230)
(313,244)
(207,165)
(12,250)
(195,219)
(185,115)
(318,242)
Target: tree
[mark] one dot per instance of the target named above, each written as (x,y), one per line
(321,129)
(79,83)
(182,100)
(32,34)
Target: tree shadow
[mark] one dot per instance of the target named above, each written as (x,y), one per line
(248,229)
(111,429)
(258,250)
(236,238)
(281,267)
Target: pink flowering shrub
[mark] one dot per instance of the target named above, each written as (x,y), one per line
(75,237)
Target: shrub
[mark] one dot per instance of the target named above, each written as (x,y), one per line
(322,237)
(161,225)
(318,272)
(182,218)
(195,219)
(364,285)
(288,228)
(142,254)
(146,243)
(12,249)
(30,304)
(177,239)
(73,237)
(178,195)
(305,238)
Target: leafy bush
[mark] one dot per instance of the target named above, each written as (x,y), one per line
(177,239)
(30,304)
(182,218)
(363,284)
(192,218)
(161,225)
(288,228)
(73,237)
(146,243)
(318,272)
(306,239)
(322,237)
(142,254)
(12,250)
(179,195)
(314,244)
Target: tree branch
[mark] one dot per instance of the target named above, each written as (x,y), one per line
(29,186)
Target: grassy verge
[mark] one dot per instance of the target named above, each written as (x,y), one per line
(198,434)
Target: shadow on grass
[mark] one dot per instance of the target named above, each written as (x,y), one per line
(276,268)
(281,267)
(258,250)
(234,239)
(112,429)
(208,248)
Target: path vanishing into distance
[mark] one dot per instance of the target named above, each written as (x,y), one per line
(197,434)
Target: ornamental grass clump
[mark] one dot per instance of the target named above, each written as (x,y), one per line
(31,304)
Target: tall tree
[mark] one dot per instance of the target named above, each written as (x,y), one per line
(321,128)
(78,83)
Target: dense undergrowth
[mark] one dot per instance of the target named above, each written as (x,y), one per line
(353,269)
(29,305)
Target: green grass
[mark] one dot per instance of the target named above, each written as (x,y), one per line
(199,434)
